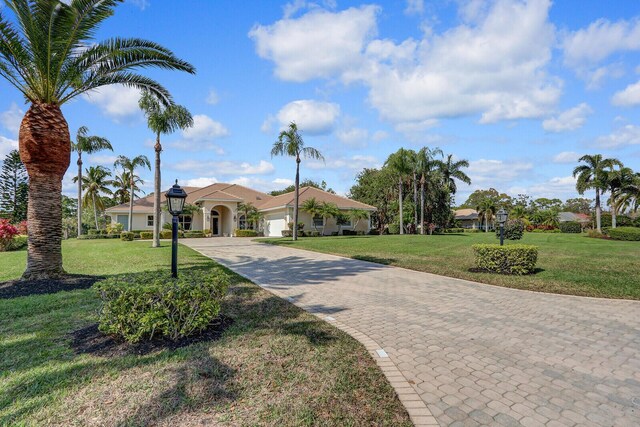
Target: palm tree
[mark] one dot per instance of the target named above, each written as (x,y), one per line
(400,163)
(48,53)
(518,212)
(357,215)
(95,184)
(290,143)
(549,217)
(618,181)
(486,209)
(328,210)
(593,175)
(86,144)
(129,165)
(161,120)
(313,208)
(122,183)
(628,196)
(452,170)
(247,210)
(425,165)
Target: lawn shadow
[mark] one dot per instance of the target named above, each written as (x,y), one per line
(377,260)
(483,271)
(23,288)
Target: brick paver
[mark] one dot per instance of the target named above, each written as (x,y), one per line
(475,354)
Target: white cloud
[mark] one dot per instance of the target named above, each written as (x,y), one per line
(141,4)
(12,118)
(485,172)
(312,117)
(115,101)
(380,135)
(571,119)
(213,98)
(283,182)
(626,135)
(560,187)
(566,157)
(318,44)
(353,163)
(353,137)
(225,167)
(628,97)
(205,129)
(7,145)
(101,159)
(414,7)
(262,184)
(199,182)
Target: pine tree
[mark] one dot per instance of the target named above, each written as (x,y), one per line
(14,188)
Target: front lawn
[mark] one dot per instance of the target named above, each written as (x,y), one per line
(567,263)
(275,365)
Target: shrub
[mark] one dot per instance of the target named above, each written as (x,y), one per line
(287,233)
(596,234)
(349,232)
(471,230)
(165,234)
(7,233)
(193,234)
(313,233)
(509,259)
(93,232)
(116,228)
(625,233)
(18,243)
(140,306)
(146,235)
(394,228)
(513,230)
(300,225)
(570,227)
(23,228)
(245,233)
(126,236)
(454,230)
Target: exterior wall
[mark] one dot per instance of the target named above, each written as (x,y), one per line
(227,212)
(140,220)
(469,223)
(285,217)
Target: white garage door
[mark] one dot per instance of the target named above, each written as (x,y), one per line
(274,224)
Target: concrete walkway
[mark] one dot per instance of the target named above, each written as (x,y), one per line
(474,354)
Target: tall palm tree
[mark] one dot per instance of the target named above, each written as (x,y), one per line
(593,175)
(486,209)
(618,180)
(401,165)
(122,183)
(161,120)
(48,53)
(129,165)
(89,144)
(95,183)
(290,143)
(328,210)
(426,163)
(313,208)
(452,170)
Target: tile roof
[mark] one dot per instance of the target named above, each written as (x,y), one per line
(307,193)
(466,214)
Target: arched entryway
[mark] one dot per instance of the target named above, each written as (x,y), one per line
(221,221)
(215,222)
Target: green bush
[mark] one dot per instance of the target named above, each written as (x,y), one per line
(17,243)
(625,233)
(116,228)
(141,306)
(287,233)
(509,259)
(146,235)
(454,230)
(394,228)
(126,236)
(513,230)
(193,234)
(471,230)
(570,227)
(540,230)
(245,233)
(165,234)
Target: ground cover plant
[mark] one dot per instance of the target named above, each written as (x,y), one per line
(273,365)
(567,263)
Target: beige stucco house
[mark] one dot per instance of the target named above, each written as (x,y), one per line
(218,212)
(468,218)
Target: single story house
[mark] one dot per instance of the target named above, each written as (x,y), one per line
(217,211)
(468,218)
(571,216)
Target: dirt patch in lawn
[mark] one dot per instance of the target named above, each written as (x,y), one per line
(90,340)
(23,288)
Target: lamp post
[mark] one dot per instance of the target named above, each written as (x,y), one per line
(502,218)
(175,202)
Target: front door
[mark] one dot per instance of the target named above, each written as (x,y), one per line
(214,226)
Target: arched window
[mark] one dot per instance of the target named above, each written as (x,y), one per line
(242,222)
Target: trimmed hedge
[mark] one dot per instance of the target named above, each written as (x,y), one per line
(454,230)
(287,233)
(167,234)
(193,234)
(513,230)
(139,306)
(146,235)
(509,259)
(625,233)
(245,233)
(471,230)
(127,236)
(540,230)
(571,227)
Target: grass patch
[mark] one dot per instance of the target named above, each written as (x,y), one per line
(567,263)
(275,365)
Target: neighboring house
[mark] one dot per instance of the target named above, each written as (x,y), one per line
(218,211)
(468,218)
(583,219)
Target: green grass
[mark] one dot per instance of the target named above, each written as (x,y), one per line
(276,365)
(567,263)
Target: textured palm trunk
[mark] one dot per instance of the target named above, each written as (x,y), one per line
(79,193)
(130,219)
(400,203)
(95,211)
(486,224)
(598,211)
(295,201)
(422,205)
(156,196)
(415,200)
(613,215)
(45,150)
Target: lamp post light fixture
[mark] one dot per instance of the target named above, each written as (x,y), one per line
(175,202)
(502,218)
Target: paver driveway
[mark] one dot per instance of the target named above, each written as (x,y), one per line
(475,354)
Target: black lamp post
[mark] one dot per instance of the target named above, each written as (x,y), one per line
(502,218)
(175,202)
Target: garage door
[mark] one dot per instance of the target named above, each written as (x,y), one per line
(274,224)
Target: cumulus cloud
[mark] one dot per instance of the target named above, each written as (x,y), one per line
(225,167)
(571,119)
(628,97)
(7,145)
(560,187)
(414,7)
(262,184)
(566,157)
(115,101)
(205,129)
(353,163)
(626,135)
(199,182)
(312,117)
(484,171)
(12,118)
(101,159)
(353,137)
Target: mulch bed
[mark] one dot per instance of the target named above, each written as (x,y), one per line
(23,288)
(90,340)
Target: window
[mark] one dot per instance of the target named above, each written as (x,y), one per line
(149,220)
(243,224)
(185,222)
(343,221)
(318,221)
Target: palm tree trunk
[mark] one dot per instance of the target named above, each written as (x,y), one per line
(156,196)
(613,215)
(45,150)
(598,212)
(295,200)
(95,211)
(130,203)
(486,223)
(79,193)
(422,205)
(415,200)
(400,203)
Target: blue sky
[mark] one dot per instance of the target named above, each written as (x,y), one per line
(519,88)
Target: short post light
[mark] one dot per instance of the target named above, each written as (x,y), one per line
(502,218)
(175,202)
